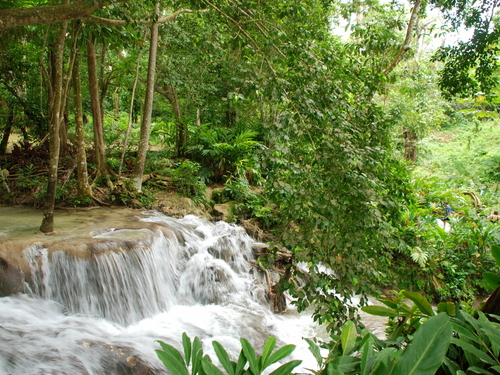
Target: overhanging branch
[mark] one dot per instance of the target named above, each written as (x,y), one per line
(409,33)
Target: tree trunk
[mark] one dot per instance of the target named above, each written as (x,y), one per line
(6,132)
(130,112)
(99,145)
(410,140)
(55,107)
(181,137)
(83,187)
(63,131)
(492,304)
(136,179)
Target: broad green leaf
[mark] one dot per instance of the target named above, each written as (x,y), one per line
(428,349)
(223,358)
(478,370)
(268,349)
(186,343)
(379,311)
(368,356)
(197,355)
(385,363)
(172,359)
(240,365)
(286,368)
(420,301)
(463,329)
(348,337)
(209,367)
(381,357)
(314,349)
(281,353)
(447,307)
(492,279)
(250,356)
(495,252)
(345,364)
(473,350)
(452,366)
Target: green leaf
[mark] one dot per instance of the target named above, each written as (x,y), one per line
(286,368)
(172,359)
(249,352)
(314,349)
(447,307)
(492,279)
(464,331)
(379,311)
(186,343)
(495,252)
(223,357)
(348,337)
(478,370)
(266,352)
(240,365)
(428,349)
(209,367)
(345,364)
(452,366)
(473,350)
(381,357)
(420,301)
(368,357)
(196,354)
(281,353)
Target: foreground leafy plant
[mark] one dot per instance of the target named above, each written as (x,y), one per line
(248,362)
(351,353)
(404,320)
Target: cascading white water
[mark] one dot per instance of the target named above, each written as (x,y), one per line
(101,315)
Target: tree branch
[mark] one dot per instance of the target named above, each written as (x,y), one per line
(10,18)
(112,22)
(409,33)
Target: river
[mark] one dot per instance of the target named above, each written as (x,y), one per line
(111,282)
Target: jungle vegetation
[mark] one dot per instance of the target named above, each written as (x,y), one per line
(330,140)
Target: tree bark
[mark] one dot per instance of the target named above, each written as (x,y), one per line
(136,179)
(47,225)
(181,137)
(6,131)
(409,33)
(130,112)
(99,145)
(410,140)
(48,14)
(83,188)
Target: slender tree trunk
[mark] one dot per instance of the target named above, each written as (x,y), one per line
(181,137)
(410,140)
(47,225)
(136,179)
(99,145)
(83,187)
(130,112)
(63,131)
(6,132)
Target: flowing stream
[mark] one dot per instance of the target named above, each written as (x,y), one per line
(103,314)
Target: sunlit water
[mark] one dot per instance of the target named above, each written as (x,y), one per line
(99,315)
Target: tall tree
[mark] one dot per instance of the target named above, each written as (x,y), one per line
(83,188)
(56,110)
(136,178)
(97,116)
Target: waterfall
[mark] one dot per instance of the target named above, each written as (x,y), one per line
(102,314)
